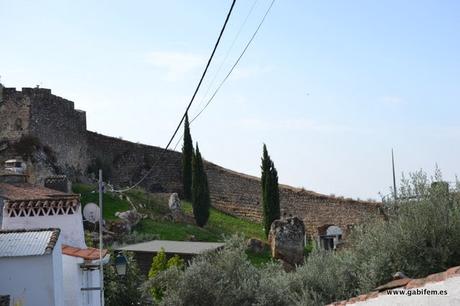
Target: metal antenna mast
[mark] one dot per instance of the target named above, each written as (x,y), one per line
(394,175)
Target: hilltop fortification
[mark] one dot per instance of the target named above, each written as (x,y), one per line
(57,125)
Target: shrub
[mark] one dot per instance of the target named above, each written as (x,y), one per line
(123,290)
(160,263)
(419,237)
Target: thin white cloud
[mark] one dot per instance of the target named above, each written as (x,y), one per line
(175,65)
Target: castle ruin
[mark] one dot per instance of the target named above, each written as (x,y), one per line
(57,125)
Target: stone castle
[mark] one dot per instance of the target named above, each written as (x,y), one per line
(61,128)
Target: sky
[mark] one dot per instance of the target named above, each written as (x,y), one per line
(330,86)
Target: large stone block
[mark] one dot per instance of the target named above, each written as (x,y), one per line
(286,238)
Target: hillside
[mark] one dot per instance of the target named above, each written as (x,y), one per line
(156,207)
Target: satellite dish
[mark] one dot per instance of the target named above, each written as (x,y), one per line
(91,212)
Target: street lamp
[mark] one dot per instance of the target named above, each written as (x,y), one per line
(121,264)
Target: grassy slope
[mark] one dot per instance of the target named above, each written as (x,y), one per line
(111,203)
(218,226)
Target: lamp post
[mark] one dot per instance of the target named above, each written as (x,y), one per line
(121,264)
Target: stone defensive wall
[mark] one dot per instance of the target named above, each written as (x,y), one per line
(55,121)
(240,195)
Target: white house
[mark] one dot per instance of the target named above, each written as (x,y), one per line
(31,267)
(25,206)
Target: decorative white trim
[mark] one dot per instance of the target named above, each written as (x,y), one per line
(39,208)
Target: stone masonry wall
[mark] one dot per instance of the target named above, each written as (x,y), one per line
(131,161)
(56,123)
(14,114)
(54,120)
(240,195)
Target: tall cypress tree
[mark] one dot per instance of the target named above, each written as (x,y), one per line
(187,156)
(201,201)
(270,191)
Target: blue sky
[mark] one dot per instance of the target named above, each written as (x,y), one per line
(329,86)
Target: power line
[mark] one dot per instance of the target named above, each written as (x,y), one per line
(228,51)
(231,69)
(189,104)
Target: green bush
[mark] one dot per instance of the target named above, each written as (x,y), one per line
(159,264)
(419,236)
(123,290)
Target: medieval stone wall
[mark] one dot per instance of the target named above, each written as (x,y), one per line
(240,195)
(129,162)
(56,123)
(14,114)
(54,120)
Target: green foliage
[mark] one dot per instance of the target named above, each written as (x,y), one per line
(418,237)
(160,263)
(169,230)
(187,157)
(201,201)
(309,247)
(123,290)
(270,191)
(259,259)
(111,202)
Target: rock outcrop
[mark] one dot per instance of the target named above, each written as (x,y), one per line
(286,240)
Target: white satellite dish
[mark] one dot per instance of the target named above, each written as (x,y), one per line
(91,212)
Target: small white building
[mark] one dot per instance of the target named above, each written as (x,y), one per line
(25,206)
(31,267)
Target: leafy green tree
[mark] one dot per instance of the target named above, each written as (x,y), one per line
(160,263)
(187,156)
(123,290)
(201,201)
(270,191)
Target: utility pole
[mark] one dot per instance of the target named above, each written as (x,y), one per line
(101,267)
(394,176)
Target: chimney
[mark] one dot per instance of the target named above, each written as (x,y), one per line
(59,183)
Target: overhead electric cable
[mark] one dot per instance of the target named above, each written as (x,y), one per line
(228,51)
(189,104)
(231,69)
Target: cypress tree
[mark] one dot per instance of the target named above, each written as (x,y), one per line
(270,191)
(201,201)
(187,156)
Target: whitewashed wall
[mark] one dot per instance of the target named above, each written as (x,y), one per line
(33,280)
(75,278)
(71,226)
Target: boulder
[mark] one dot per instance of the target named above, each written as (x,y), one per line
(174,202)
(130,217)
(286,239)
(256,245)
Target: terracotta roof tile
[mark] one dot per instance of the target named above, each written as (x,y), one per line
(87,254)
(30,192)
(406,283)
(394,284)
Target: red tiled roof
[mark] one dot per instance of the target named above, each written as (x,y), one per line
(88,253)
(30,192)
(404,283)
